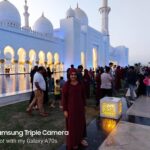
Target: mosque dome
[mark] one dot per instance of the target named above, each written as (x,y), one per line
(43,25)
(9,14)
(81,16)
(70,13)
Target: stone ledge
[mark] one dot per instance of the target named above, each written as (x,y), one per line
(12,98)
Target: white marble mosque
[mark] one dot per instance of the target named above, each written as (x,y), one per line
(75,42)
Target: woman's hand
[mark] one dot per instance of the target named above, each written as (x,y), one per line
(66,114)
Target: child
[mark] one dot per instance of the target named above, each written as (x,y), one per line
(62,82)
(56,94)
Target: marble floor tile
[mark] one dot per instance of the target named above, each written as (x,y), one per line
(128,136)
(141,107)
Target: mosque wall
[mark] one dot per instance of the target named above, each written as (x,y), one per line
(75,42)
(83,47)
(119,55)
(81,39)
(72,35)
(122,55)
(17,40)
(95,40)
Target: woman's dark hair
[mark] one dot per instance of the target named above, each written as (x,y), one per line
(41,68)
(107,69)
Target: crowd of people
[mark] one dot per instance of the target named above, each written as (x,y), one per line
(80,84)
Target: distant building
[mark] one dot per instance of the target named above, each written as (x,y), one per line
(75,42)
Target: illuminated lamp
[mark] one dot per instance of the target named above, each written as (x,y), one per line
(111,107)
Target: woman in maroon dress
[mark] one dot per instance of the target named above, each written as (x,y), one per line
(73,101)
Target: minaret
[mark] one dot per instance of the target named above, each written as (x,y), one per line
(104,10)
(26,16)
(77,5)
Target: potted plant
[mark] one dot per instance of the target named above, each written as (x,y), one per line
(15,61)
(37,62)
(27,61)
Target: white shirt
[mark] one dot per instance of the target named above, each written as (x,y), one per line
(39,78)
(106,81)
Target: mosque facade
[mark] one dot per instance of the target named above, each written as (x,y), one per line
(75,42)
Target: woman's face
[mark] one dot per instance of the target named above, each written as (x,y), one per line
(73,76)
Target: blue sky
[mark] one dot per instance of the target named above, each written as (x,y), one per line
(129,21)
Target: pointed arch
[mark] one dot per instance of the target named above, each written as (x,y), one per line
(83,62)
(56,58)
(95,58)
(41,58)
(49,58)
(22,55)
(32,56)
(21,60)
(9,53)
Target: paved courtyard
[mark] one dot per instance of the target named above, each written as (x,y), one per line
(132,131)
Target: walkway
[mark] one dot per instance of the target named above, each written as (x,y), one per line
(135,135)
(131,133)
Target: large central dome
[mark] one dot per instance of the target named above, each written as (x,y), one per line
(43,25)
(9,14)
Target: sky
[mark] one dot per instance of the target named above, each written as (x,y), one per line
(129,21)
